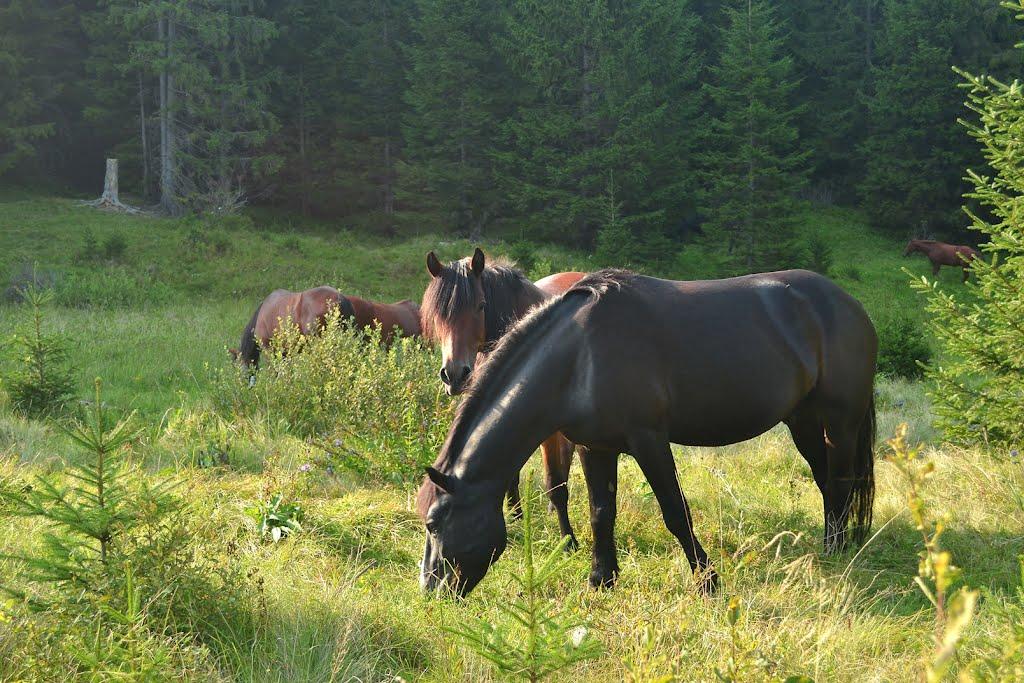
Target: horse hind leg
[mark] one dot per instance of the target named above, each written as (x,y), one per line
(557,455)
(808,433)
(850,485)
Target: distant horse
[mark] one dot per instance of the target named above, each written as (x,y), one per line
(627,363)
(467,307)
(309,310)
(942,254)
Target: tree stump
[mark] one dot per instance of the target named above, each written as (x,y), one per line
(109,199)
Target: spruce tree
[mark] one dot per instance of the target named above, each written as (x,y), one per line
(980,376)
(599,81)
(31,32)
(456,95)
(754,166)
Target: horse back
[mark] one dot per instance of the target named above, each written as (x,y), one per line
(559,283)
(720,360)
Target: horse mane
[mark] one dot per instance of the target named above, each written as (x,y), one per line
(505,287)
(593,287)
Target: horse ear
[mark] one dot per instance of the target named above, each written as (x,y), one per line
(477,264)
(440,479)
(434,265)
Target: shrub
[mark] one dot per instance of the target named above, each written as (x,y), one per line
(902,348)
(41,382)
(116,287)
(375,410)
(114,247)
(820,256)
(523,252)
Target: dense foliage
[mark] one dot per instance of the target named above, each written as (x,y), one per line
(520,116)
(376,410)
(978,382)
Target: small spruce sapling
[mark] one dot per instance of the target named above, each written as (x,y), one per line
(41,382)
(538,638)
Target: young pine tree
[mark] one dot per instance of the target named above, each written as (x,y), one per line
(754,167)
(978,383)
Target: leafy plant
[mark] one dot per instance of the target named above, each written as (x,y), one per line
(375,410)
(936,573)
(114,247)
(42,382)
(539,637)
(276,518)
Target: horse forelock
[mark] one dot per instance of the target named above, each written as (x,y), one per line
(450,294)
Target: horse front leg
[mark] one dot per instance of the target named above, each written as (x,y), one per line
(557,455)
(935,268)
(601,470)
(653,453)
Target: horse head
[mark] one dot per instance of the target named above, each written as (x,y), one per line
(465,532)
(453,314)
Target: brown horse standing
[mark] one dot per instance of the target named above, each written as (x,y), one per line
(467,308)
(309,309)
(942,254)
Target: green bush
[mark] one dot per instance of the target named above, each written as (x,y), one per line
(375,410)
(902,348)
(110,288)
(819,253)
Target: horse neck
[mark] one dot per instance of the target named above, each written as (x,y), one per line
(509,309)
(513,409)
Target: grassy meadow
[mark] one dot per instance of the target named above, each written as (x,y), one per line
(339,600)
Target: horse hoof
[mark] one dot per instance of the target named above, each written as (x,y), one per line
(707,581)
(602,580)
(572,545)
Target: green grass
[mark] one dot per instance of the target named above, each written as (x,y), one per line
(340,600)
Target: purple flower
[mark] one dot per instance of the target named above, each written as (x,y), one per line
(305,467)
(337,443)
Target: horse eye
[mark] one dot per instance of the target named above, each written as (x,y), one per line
(482,304)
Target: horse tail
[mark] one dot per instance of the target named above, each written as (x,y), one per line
(862,497)
(248,349)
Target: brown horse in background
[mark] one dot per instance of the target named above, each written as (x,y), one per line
(309,310)
(942,254)
(467,307)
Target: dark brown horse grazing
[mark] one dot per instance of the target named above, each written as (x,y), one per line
(626,363)
(309,308)
(467,307)
(942,254)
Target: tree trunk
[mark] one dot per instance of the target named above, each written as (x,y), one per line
(168,195)
(109,198)
(145,138)
(110,183)
(303,160)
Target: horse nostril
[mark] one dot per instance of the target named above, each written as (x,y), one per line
(444,376)
(465,374)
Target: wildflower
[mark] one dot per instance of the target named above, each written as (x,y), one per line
(305,467)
